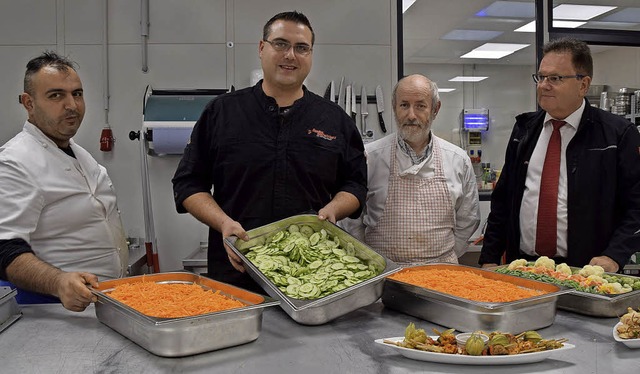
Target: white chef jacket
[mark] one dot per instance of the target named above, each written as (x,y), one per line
(458,171)
(64,207)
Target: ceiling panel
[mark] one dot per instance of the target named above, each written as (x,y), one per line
(427,21)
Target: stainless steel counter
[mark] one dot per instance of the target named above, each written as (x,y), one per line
(49,339)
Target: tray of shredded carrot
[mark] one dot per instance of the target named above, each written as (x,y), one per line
(469,299)
(177,314)
(172,300)
(465,284)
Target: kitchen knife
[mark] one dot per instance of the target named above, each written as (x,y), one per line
(341,94)
(380,106)
(364,111)
(354,108)
(348,99)
(328,93)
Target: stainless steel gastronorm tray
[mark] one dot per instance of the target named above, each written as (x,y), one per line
(318,311)
(9,310)
(176,337)
(597,305)
(468,315)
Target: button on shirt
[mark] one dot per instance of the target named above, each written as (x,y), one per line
(529,207)
(458,171)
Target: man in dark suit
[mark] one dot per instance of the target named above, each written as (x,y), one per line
(570,186)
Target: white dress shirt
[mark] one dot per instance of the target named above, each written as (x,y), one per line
(64,207)
(458,171)
(529,206)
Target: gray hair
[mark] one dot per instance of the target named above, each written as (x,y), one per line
(433,88)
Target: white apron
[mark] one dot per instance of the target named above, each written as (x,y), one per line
(418,221)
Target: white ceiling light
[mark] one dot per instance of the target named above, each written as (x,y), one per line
(446,89)
(494,51)
(580,12)
(531,26)
(464,78)
(406,4)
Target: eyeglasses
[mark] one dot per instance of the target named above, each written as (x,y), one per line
(283,46)
(554,79)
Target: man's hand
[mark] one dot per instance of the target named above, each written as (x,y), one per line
(228,228)
(71,289)
(607,264)
(327,214)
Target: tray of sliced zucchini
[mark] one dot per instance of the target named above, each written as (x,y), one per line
(317,270)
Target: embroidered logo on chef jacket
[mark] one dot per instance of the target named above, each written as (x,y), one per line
(321,134)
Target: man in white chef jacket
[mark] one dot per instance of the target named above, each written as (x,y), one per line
(60,227)
(422,205)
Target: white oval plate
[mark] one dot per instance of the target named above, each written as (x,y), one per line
(631,343)
(446,358)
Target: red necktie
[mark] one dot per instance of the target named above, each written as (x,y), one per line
(547,228)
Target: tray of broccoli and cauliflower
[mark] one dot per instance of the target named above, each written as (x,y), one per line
(596,292)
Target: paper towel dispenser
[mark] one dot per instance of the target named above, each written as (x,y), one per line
(169,117)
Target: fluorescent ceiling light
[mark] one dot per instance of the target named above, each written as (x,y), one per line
(514,9)
(446,89)
(463,78)
(580,12)
(630,15)
(406,4)
(531,26)
(494,51)
(481,35)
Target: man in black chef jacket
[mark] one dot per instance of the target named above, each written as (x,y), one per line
(586,209)
(270,151)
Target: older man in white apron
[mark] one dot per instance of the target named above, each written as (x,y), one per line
(422,205)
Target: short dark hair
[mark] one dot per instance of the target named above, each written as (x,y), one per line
(580,53)
(47,58)
(293,16)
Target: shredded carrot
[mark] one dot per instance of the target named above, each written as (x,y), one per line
(172,300)
(465,284)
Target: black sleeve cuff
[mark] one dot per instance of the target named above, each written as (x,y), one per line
(9,250)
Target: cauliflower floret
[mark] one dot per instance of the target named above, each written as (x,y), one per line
(563,268)
(591,270)
(517,263)
(596,279)
(611,288)
(545,262)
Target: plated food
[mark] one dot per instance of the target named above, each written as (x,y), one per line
(627,331)
(498,348)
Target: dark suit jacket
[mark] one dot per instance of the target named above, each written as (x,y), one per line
(603,171)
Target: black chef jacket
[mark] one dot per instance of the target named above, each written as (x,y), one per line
(265,166)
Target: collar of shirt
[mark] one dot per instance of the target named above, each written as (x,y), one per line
(409,161)
(572,119)
(408,151)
